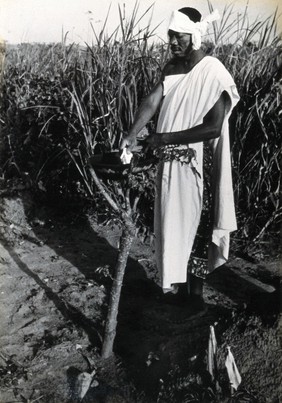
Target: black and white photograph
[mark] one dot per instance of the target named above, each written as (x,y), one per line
(140,201)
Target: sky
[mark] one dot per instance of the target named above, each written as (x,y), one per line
(46,20)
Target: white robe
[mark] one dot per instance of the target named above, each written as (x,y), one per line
(179,187)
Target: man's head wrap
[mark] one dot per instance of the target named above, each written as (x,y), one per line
(180,22)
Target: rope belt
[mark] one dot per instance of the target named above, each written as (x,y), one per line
(172,153)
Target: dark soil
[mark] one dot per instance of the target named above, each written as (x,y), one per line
(56,270)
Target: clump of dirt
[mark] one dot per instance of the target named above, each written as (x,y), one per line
(56,270)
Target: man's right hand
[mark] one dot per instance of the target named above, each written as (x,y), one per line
(128,142)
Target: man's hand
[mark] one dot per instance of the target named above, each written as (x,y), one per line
(128,142)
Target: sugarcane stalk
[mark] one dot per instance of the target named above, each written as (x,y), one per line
(111,321)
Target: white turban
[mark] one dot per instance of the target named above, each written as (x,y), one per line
(179,22)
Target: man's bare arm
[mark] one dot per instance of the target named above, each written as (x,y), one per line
(209,129)
(145,112)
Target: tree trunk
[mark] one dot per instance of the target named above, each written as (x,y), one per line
(111,321)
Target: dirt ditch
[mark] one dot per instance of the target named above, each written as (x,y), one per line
(55,277)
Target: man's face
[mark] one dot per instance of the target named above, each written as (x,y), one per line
(180,43)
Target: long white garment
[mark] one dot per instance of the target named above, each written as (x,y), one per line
(187,99)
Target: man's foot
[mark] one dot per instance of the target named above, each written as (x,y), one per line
(187,305)
(178,299)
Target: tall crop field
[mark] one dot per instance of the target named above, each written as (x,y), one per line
(60,104)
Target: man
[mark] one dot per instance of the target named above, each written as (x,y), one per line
(197,95)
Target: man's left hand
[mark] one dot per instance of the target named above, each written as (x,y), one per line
(155,140)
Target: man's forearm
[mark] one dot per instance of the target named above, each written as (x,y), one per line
(143,115)
(196,134)
(146,110)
